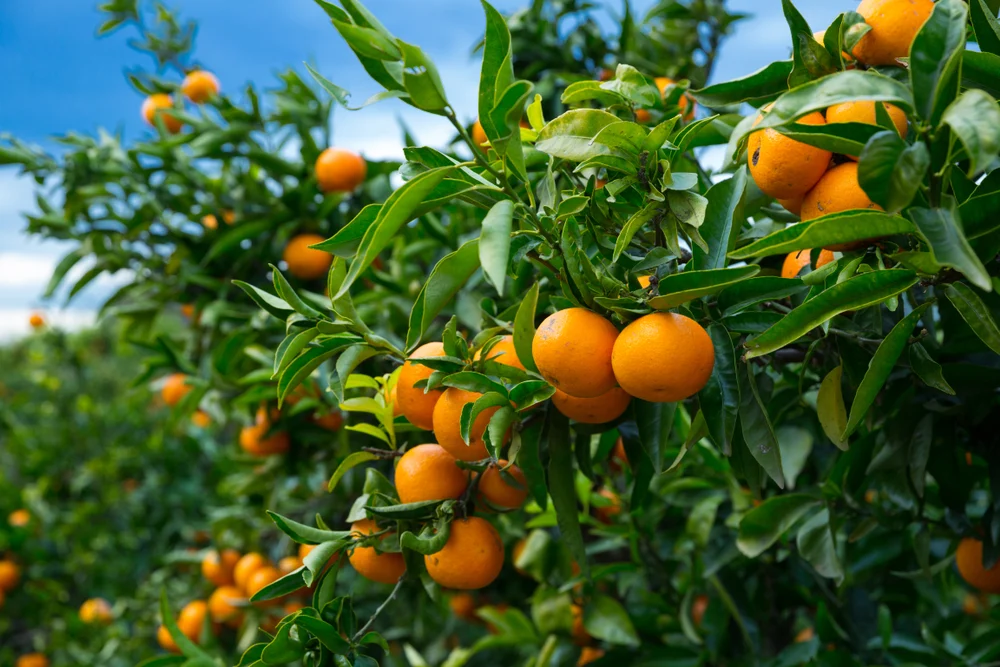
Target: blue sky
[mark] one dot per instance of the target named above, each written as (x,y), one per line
(70,80)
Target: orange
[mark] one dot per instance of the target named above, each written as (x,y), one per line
(394,401)
(607,512)
(165,641)
(225,605)
(471,558)
(588,655)
(340,170)
(414,404)
(894,24)
(331,421)
(796,261)
(805,635)
(201,419)
(663,357)
(36,321)
(289,564)
(211,222)
(784,168)
(246,566)
(871,495)
(218,567)
(175,389)
(864,112)
(663,83)
(200,86)
(261,578)
(153,104)
(579,633)
(605,408)
(644,281)
(837,191)
(572,349)
(479,135)
(292,607)
(969,559)
(19,518)
(463,606)
(971,605)
(618,456)
(384,568)
(429,472)
(191,620)
(793,205)
(698,608)
(448,413)
(304,262)
(305,549)
(33,660)
(504,353)
(642,116)
(501,493)
(96,610)
(254,442)
(187,310)
(10,575)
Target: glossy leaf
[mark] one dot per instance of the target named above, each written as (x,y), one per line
(928,370)
(975,313)
(605,619)
(494,243)
(975,119)
(892,172)
(524,328)
(762,85)
(762,526)
(949,247)
(815,541)
(756,426)
(444,282)
(833,229)
(831,409)
(936,59)
(720,397)
(562,488)
(679,288)
(723,219)
(749,292)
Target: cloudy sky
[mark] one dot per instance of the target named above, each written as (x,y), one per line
(69,80)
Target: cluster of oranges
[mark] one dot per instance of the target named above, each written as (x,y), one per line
(236,578)
(198,86)
(811,182)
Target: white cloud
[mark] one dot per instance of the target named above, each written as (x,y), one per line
(14,321)
(21,270)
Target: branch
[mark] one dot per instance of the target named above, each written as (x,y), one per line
(392,596)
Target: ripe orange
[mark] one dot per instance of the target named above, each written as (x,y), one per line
(796,261)
(479,135)
(200,86)
(304,262)
(225,605)
(663,83)
(969,559)
(471,559)
(588,655)
(663,357)
(414,404)
(10,575)
(384,568)
(33,660)
(579,633)
(261,578)
(864,112)
(572,349)
(211,222)
(894,24)
(600,410)
(642,116)
(838,190)
(96,610)
(340,170)
(504,353)
(644,281)
(305,549)
(331,421)
(153,104)
(608,511)
(165,641)
(36,321)
(175,389)
(805,635)
(218,567)
(784,168)
(191,620)
(429,472)
(698,608)
(463,606)
(289,564)
(19,518)
(793,205)
(447,430)
(501,493)
(201,419)
(245,567)
(253,442)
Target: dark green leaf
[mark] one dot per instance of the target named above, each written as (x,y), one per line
(891,172)
(943,231)
(760,86)
(679,288)
(446,279)
(936,59)
(833,229)
(975,119)
(756,426)
(975,313)
(562,487)
(817,545)
(763,525)
(720,397)
(723,219)
(928,370)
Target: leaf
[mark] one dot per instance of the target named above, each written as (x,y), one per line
(654,422)
(634,224)
(446,279)
(720,397)
(928,370)
(831,409)
(723,219)
(679,288)
(530,462)
(833,229)
(817,545)
(880,367)
(975,119)
(350,461)
(570,136)
(497,71)
(327,635)
(844,138)
(762,85)
(756,426)
(494,243)
(287,584)
(302,533)
(524,328)
(345,242)
(892,172)
(936,59)
(604,618)
(749,292)
(489,399)
(919,452)
(796,444)
(267,301)
(562,488)
(762,526)
(984,20)
(943,232)
(975,313)
(859,292)
(810,59)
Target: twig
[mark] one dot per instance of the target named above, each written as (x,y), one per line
(392,596)
(382,453)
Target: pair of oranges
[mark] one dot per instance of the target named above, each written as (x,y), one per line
(198,86)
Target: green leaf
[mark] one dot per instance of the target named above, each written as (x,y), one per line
(287,584)
(570,136)
(352,460)
(529,460)
(919,452)
(524,328)
(892,172)
(634,224)
(679,288)
(367,42)
(816,543)
(562,487)
(267,301)
(446,279)
(831,409)
(720,397)
(345,242)
(747,293)
(984,20)
(861,291)
(975,119)
(489,399)
(287,292)
(936,59)
(302,533)
(833,229)
(723,219)
(763,525)
(327,634)
(880,367)
(810,59)
(762,85)
(844,138)
(68,261)
(476,382)
(494,243)
(654,422)
(928,370)
(943,231)
(975,313)
(604,618)
(756,426)
(497,71)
